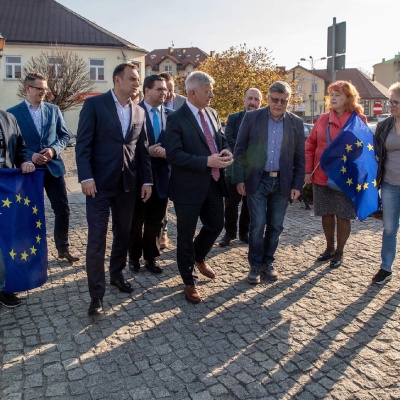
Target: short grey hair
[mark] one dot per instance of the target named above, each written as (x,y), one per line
(395,88)
(197,79)
(254,90)
(280,87)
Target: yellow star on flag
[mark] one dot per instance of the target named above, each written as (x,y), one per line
(358,187)
(38,239)
(370,147)
(344,158)
(35,210)
(19,198)
(38,224)
(26,201)
(349,181)
(365,186)
(6,203)
(33,250)
(12,253)
(24,256)
(358,143)
(374,182)
(349,147)
(343,170)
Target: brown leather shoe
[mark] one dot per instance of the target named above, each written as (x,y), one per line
(191,294)
(70,257)
(205,269)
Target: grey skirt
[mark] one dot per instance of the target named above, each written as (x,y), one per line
(329,201)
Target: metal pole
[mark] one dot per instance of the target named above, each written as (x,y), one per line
(333,74)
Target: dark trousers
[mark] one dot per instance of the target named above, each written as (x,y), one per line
(211,213)
(121,204)
(231,212)
(57,193)
(146,227)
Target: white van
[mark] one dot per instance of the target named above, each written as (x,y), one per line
(382,117)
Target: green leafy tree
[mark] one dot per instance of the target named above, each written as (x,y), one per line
(67,76)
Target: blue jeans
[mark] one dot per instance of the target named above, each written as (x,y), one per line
(267,208)
(391,214)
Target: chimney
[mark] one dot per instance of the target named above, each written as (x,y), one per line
(373,77)
(212,53)
(170,49)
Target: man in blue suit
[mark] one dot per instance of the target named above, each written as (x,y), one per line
(148,217)
(45,135)
(269,169)
(111,149)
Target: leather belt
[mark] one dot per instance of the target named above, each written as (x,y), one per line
(272,174)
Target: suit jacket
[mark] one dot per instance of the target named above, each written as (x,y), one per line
(231,132)
(54,133)
(15,151)
(232,128)
(187,152)
(102,152)
(160,167)
(178,101)
(252,148)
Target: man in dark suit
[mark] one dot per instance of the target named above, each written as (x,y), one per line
(148,217)
(111,146)
(198,154)
(13,153)
(45,134)
(252,101)
(173,101)
(269,169)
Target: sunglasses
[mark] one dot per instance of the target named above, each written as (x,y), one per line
(393,103)
(278,101)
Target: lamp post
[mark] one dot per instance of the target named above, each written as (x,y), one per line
(312,95)
(2,41)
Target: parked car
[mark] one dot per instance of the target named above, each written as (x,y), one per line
(382,117)
(307,129)
(372,127)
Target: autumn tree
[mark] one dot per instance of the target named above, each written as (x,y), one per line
(67,77)
(236,70)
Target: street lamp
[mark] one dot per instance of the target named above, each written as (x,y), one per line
(312,95)
(2,41)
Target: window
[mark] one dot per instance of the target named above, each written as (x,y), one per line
(55,67)
(168,68)
(149,71)
(189,69)
(96,68)
(314,87)
(366,107)
(13,67)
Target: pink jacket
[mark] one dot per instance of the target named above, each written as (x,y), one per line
(316,142)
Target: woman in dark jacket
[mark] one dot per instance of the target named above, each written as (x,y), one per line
(388,139)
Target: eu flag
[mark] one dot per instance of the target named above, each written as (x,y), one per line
(351,161)
(23,229)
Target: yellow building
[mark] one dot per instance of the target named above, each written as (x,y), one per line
(388,71)
(30,27)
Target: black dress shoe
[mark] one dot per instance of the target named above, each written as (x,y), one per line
(122,284)
(326,255)
(244,238)
(226,239)
(335,263)
(96,307)
(134,266)
(153,266)
(66,254)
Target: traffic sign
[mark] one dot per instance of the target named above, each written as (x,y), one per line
(377,108)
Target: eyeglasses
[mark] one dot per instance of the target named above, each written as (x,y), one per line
(279,101)
(394,103)
(43,90)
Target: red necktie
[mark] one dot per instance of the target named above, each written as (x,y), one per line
(210,142)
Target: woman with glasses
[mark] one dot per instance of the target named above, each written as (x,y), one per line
(335,208)
(387,135)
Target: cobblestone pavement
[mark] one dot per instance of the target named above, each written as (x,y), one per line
(316,333)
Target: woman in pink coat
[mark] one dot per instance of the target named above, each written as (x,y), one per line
(333,206)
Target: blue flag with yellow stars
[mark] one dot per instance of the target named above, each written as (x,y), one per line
(351,161)
(23,229)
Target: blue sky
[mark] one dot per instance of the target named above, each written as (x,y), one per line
(291,29)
